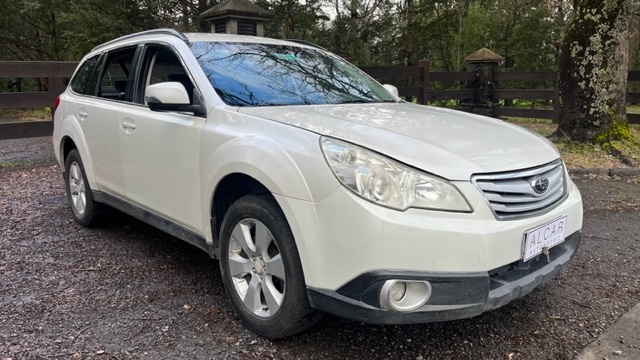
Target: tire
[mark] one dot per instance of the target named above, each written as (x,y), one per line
(85,211)
(259,263)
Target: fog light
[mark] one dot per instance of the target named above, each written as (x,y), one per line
(404,295)
(398,290)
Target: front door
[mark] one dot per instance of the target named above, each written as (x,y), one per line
(160,150)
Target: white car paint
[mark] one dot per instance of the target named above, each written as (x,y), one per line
(96,120)
(447,143)
(160,160)
(176,95)
(171,164)
(415,240)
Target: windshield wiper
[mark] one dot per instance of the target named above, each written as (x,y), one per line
(356,101)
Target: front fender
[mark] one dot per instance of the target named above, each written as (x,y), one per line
(292,167)
(263,160)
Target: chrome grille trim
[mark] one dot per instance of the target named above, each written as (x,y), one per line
(511,196)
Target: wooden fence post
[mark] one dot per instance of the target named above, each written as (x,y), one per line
(484,63)
(425,68)
(556,101)
(56,87)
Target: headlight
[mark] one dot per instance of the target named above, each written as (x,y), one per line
(387,182)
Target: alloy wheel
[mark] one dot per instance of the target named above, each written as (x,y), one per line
(256,268)
(77,188)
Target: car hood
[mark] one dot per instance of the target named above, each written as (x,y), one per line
(444,142)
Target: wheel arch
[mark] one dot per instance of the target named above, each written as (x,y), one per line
(66,145)
(252,164)
(71,136)
(287,162)
(231,188)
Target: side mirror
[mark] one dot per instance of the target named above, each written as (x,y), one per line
(170,96)
(393,91)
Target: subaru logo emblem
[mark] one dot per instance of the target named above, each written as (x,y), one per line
(540,184)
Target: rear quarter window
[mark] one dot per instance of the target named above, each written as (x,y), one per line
(84,82)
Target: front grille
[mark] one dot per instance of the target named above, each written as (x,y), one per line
(512,195)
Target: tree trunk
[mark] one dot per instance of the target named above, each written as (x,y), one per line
(185,15)
(410,35)
(593,72)
(354,9)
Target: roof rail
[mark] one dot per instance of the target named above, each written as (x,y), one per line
(173,32)
(304,42)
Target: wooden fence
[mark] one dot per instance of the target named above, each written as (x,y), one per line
(421,76)
(53,73)
(418,82)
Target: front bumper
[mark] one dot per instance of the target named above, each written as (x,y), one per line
(454,295)
(343,236)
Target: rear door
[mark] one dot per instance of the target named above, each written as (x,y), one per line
(160,155)
(99,118)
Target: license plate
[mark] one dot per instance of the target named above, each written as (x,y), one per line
(543,236)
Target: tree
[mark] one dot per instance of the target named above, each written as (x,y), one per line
(66,30)
(594,62)
(356,28)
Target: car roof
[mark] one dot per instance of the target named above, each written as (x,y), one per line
(201,37)
(198,37)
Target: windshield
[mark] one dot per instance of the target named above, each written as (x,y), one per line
(247,74)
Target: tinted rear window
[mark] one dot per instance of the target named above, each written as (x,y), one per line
(84,82)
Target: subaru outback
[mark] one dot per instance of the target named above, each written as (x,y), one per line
(317,189)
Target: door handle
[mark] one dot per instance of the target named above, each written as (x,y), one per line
(82,114)
(127,125)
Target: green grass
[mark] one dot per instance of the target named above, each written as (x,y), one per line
(19,163)
(634,109)
(581,155)
(26,114)
(39,112)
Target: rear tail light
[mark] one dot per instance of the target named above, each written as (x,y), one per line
(55,107)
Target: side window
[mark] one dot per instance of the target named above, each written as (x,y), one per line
(163,66)
(85,80)
(115,76)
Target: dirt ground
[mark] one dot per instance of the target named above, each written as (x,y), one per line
(127,291)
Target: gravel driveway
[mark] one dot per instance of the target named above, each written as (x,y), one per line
(126,290)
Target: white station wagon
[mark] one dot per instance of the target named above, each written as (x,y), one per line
(317,188)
